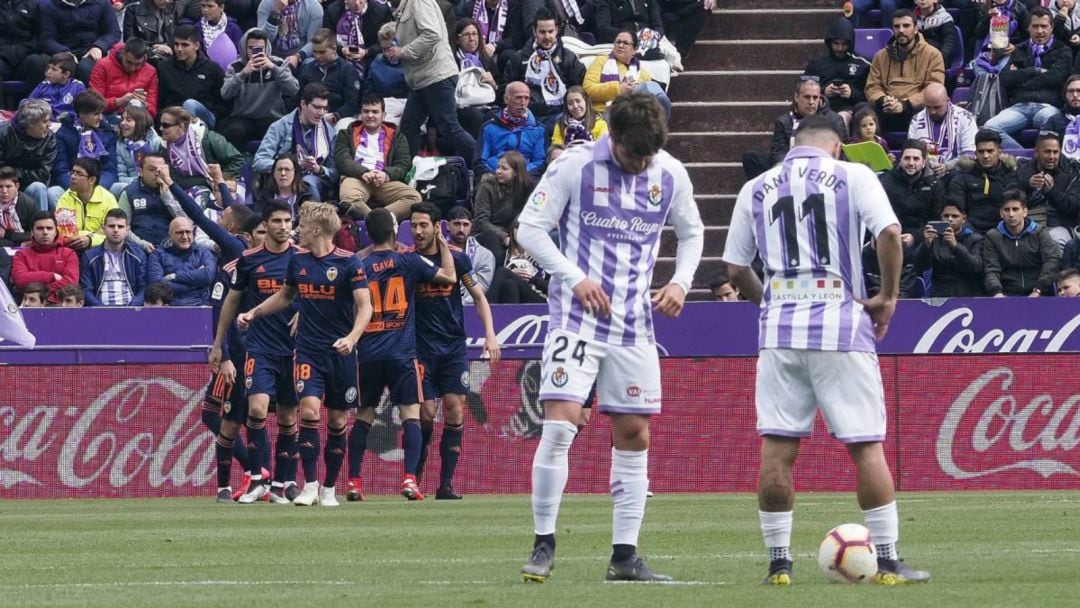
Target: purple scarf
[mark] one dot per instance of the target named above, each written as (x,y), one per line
(469,60)
(575,130)
(138,149)
(186,155)
(315,141)
(288,37)
(490,34)
(1037,50)
(610,72)
(90,145)
(512,121)
(349,34)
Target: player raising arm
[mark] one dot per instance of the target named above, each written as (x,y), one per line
(805,218)
(609,200)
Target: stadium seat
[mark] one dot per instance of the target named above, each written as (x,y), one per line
(956,60)
(361,227)
(961,95)
(1027,137)
(1020,152)
(868,41)
(896,139)
(14,92)
(404,234)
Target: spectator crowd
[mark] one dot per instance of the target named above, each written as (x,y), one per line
(976,108)
(139,136)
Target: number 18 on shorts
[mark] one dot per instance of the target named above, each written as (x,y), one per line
(627,377)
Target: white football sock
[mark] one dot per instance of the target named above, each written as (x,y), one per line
(776,530)
(549,471)
(884,525)
(629,485)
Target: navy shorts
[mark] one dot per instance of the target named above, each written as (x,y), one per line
(445,374)
(400,376)
(330,377)
(270,375)
(230,398)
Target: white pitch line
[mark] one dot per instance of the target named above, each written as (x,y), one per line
(207,583)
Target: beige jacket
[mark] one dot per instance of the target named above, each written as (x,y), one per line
(425,51)
(905,80)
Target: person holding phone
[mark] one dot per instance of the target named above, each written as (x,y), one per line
(952,251)
(842,73)
(257,84)
(126,76)
(356,26)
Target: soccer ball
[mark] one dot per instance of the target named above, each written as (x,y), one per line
(847,554)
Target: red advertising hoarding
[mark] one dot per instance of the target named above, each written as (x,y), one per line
(956,422)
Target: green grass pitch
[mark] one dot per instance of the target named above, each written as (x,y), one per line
(984,549)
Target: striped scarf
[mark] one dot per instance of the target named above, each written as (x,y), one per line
(491,35)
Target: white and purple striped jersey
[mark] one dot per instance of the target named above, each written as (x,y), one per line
(609,224)
(806,218)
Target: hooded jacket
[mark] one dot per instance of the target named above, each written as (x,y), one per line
(978,191)
(78,27)
(111,80)
(850,69)
(18,30)
(498,137)
(67,150)
(194,269)
(1017,264)
(563,61)
(39,263)
(957,271)
(904,76)
(1059,206)
(1030,84)
(259,95)
(912,198)
(33,159)
(92,274)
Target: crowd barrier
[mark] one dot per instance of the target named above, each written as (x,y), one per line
(980,395)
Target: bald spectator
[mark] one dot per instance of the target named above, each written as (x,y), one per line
(947,129)
(515,128)
(186,268)
(1032,80)
(900,73)
(807,102)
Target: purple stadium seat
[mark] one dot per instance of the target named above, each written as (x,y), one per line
(955,63)
(895,139)
(869,41)
(1020,152)
(404,234)
(961,95)
(1027,137)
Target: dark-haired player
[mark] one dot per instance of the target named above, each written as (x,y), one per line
(257,274)
(440,343)
(334,309)
(387,351)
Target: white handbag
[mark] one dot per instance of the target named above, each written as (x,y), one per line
(471,91)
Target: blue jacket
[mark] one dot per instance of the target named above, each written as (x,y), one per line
(279,140)
(387,79)
(92,273)
(92,23)
(60,97)
(150,216)
(499,138)
(194,270)
(67,150)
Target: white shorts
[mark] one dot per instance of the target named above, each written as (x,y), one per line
(792,384)
(627,377)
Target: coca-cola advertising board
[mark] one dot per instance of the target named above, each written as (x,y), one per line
(956,422)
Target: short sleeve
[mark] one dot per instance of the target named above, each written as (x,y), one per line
(356,271)
(741,247)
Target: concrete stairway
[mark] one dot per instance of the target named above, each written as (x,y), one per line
(739,78)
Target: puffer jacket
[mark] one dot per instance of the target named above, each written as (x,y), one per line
(33,159)
(111,80)
(979,192)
